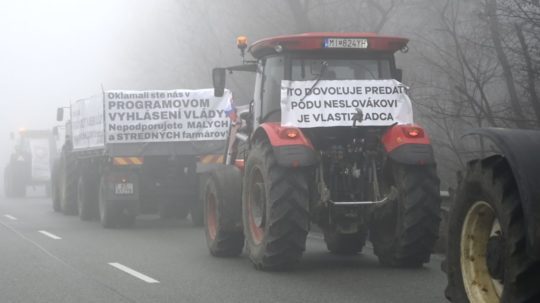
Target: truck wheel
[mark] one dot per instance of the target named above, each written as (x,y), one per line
(68,184)
(404,231)
(222,213)
(487,259)
(86,198)
(275,210)
(345,244)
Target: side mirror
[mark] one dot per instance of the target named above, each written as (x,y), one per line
(59,114)
(399,74)
(218,78)
(55,131)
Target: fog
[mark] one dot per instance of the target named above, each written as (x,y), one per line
(56,51)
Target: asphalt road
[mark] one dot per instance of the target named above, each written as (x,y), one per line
(49,257)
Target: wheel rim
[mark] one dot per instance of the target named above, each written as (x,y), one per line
(256,205)
(479,226)
(211,216)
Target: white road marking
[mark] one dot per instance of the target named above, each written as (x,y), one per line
(133,272)
(48,234)
(10,217)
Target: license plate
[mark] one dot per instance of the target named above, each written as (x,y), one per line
(124,189)
(345,43)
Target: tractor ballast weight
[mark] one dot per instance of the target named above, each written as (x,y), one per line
(521,148)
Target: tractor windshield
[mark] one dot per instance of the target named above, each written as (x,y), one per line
(340,69)
(306,68)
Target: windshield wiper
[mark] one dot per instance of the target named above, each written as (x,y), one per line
(324,67)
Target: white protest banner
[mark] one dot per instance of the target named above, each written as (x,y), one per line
(87,123)
(165,115)
(331,103)
(41,158)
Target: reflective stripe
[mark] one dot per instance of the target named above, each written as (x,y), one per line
(207,159)
(128,161)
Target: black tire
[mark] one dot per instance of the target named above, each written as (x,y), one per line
(68,183)
(223,213)
(345,244)
(489,183)
(87,198)
(275,207)
(404,231)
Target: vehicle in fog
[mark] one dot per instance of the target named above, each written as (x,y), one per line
(494,227)
(131,152)
(30,162)
(329,139)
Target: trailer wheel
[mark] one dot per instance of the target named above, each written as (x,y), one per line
(222,213)
(68,183)
(275,210)
(487,259)
(404,231)
(87,200)
(345,244)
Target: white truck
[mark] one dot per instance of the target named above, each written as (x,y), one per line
(30,162)
(131,152)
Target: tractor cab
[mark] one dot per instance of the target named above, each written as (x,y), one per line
(312,56)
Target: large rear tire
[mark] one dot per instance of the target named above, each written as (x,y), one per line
(275,207)
(68,183)
(486,258)
(345,244)
(404,231)
(223,213)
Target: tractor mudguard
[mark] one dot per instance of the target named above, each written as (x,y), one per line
(522,150)
(408,144)
(291,147)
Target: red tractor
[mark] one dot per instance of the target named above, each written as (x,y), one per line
(314,146)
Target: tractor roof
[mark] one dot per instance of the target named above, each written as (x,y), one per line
(319,41)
